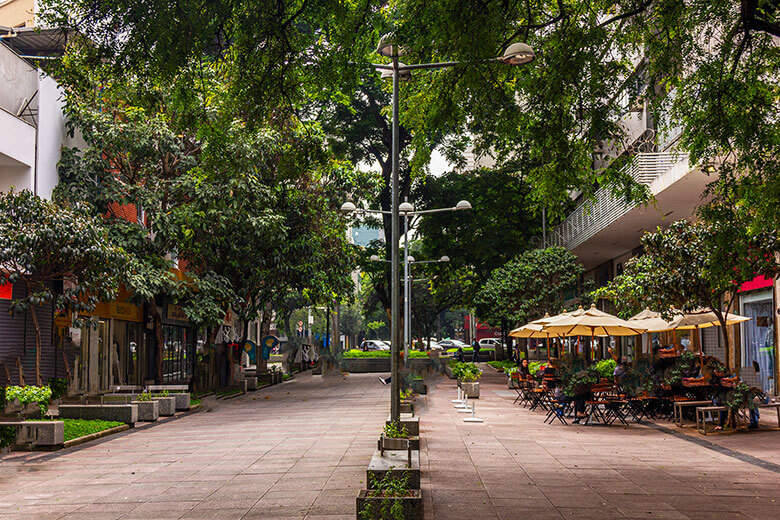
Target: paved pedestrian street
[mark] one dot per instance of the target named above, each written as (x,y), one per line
(299,450)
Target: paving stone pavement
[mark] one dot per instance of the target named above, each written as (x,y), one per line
(300,453)
(515,466)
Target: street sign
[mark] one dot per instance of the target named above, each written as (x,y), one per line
(300,326)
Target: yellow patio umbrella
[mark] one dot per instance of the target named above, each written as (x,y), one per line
(701,319)
(593,322)
(650,320)
(535,329)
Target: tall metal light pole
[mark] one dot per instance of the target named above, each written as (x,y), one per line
(515,54)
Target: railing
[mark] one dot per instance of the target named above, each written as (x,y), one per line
(595,215)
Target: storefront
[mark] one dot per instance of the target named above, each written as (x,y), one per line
(108,349)
(758,335)
(178,345)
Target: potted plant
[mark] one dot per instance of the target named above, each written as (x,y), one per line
(469,376)
(407,406)
(390,499)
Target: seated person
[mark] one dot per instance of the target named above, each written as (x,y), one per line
(523,369)
(459,355)
(620,372)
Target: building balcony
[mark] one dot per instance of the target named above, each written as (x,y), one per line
(605,227)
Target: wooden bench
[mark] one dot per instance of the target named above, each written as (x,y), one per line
(702,410)
(678,409)
(38,433)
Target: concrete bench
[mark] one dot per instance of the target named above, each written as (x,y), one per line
(38,433)
(125,389)
(126,413)
(170,388)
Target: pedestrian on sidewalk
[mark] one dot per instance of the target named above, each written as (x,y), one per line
(475,348)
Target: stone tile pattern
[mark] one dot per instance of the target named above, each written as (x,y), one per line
(515,466)
(300,453)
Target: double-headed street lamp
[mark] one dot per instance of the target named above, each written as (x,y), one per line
(515,54)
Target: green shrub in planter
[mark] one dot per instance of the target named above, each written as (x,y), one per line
(59,387)
(30,394)
(606,368)
(466,371)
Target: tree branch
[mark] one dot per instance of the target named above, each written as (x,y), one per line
(627,14)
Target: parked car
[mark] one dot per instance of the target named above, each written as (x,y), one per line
(490,343)
(374,344)
(447,344)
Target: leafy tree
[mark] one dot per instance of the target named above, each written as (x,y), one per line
(629,291)
(42,243)
(528,286)
(702,264)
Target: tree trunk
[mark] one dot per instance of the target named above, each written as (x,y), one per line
(37,327)
(21,371)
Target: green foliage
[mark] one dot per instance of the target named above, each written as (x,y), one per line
(7,436)
(59,387)
(528,286)
(581,380)
(357,353)
(406,394)
(466,372)
(629,291)
(505,365)
(75,428)
(685,365)
(388,488)
(144,397)
(639,377)
(195,402)
(30,394)
(742,397)
(606,368)
(40,242)
(535,366)
(396,430)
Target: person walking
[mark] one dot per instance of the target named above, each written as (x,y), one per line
(475,348)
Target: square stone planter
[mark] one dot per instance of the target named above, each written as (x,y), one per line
(407,407)
(412,505)
(471,389)
(167,405)
(418,387)
(391,443)
(182,401)
(148,411)
(396,464)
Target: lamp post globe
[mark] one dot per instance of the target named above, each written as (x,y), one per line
(410,259)
(388,47)
(374,258)
(463,205)
(518,54)
(348,207)
(444,258)
(405,207)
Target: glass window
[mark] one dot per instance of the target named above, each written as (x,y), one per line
(758,337)
(176,358)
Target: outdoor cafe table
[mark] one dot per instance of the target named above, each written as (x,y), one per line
(679,405)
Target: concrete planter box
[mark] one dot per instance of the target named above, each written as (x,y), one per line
(167,405)
(126,413)
(418,387)
(251,383)
(412,506)
(148,411)
(471,389)
(395,463)
(277,378)
(182,401)
(407,407)
(44,434)
(390,443)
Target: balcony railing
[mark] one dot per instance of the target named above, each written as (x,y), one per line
(596,214)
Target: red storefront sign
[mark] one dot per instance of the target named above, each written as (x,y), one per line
(759,282)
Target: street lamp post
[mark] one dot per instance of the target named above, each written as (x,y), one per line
(515,54)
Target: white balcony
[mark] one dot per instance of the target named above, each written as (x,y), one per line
(605,227)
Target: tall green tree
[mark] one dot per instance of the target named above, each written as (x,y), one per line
(42,243)
(702,264)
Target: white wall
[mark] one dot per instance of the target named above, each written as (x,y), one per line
(51,135)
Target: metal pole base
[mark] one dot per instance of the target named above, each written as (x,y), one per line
(473,417)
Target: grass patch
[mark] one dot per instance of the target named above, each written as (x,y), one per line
(502,365)
(356,353)
(228,392)
(194,402)
(75,428)
(286,377)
